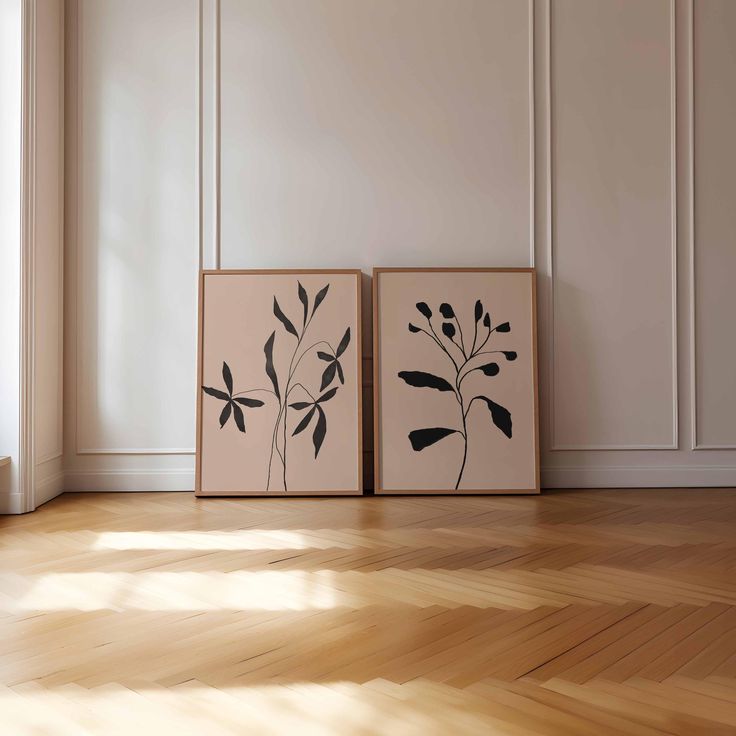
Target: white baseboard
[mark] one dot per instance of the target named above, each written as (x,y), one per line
(685,476)
(129,480)
(11,503)
(51,487)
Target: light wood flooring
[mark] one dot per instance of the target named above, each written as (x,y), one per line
(573,614)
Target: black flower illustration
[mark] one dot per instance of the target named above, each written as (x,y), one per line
(320,430)
(334,362)
(231,402)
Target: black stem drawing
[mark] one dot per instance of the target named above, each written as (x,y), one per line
(317,398)
(500,416)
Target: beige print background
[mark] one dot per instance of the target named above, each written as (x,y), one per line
(237,320)
(494,461)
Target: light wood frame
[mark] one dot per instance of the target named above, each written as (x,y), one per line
(359,379)
(379,490)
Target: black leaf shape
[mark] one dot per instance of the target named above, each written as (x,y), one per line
(305,421)
(489,369)
(420,379)
(510,354)
(487,321)
(413,328)
(239,418)
(343,343)
(299,405)
(327,396)
(227,376)
(446,310)
(318,436)
(321,294)
(421,438)
(478,310)
(423,307)
(248,402)
(325,356)
(304,299)
(285,321)
(225,414)
(503,327)
(500,415)
(448,329)
(340,374)
(270,370)
(216,393)
(328,375)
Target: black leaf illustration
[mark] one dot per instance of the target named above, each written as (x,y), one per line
(328,375)
(216,393)
(247,402)
(343,343)
(421,438)
(325,356)
(285,321)
(227,376)
(299,405)
(304,299)
(327,395)
(321,294)
(231,402)
(225,414)
(305,421)
(452,326)
(420,379)
(340,374)
(270,370)
(239,418)
(500,415)
(318,436)
(423,307)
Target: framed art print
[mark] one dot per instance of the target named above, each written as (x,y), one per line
(279,389)
(455,377)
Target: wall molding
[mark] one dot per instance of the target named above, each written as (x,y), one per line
(26,464)
(695,443)
(78,267)
(675,443)
(639,476)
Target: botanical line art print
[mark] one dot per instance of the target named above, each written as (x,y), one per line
(464,356)
(299,404)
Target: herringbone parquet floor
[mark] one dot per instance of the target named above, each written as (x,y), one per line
(573,613)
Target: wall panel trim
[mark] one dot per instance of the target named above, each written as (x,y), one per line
(674,444)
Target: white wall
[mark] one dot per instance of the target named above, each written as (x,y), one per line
(252,133)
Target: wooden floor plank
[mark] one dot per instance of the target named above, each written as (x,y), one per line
(570,613)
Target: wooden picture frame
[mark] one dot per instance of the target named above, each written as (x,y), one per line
(527,480)
(336,373)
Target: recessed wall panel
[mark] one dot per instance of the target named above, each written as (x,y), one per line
(714,48)
(613,246)
(375,133)
(137,255)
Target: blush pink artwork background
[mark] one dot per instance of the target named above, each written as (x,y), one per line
(494,462)
(237,320)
